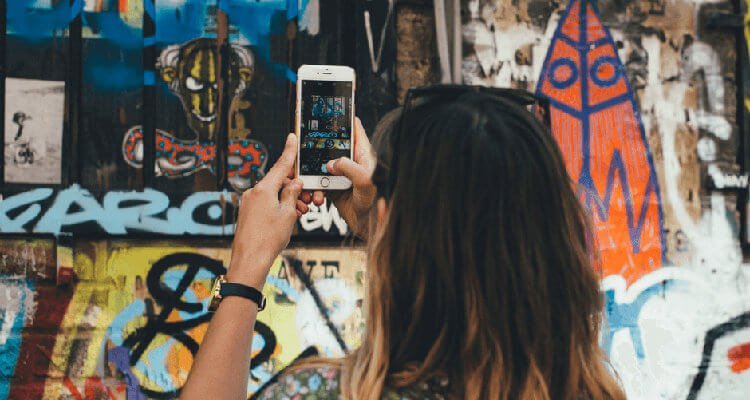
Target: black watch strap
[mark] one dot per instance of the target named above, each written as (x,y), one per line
(236,289)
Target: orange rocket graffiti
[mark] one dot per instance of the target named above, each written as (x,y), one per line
(596,123)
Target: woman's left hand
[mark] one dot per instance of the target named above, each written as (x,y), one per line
(266,220)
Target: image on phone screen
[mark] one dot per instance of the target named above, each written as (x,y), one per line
(325,124)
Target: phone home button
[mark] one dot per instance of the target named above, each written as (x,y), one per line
(324,182)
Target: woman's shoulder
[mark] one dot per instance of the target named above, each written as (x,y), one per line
(310,383)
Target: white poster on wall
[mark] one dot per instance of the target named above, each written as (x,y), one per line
(34,115)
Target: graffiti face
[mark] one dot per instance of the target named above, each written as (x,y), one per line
(192,72)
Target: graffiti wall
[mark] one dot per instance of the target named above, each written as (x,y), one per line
(643,107)
(130,324)
(130,129)
(131,126)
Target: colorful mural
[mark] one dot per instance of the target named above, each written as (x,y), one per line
(642,98)
(644,109)
(133,320)
(596,122)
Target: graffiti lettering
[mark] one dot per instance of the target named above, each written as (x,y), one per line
(323,217)
(296,266)
(74,209)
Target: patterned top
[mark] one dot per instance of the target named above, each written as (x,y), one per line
(323,384)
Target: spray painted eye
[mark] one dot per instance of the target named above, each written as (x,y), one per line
(192,84)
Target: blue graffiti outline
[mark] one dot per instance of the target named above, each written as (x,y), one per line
(560,63)
(606,82)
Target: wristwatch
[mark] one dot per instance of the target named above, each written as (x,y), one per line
(222,289)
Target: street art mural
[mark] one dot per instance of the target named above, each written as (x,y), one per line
(192,73)
(131,324)
(643,96)
(123,88)
(596,123)
(642,109)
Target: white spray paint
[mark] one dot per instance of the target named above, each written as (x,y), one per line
(708,291)
(496,54)
(310,19)
(323,217)
(339,299)
(15,298)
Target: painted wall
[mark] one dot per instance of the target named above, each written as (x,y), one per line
(94,242)
(131,322)
(643,106)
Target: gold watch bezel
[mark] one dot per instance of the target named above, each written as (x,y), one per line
(216,297)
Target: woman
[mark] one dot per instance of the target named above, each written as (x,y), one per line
(480,281)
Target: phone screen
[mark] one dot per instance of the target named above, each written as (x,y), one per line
(325,124)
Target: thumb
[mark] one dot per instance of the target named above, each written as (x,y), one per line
(356,173)
(290,194)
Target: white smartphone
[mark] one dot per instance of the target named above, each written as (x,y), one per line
(325,123)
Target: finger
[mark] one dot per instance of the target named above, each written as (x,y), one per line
(358,174)
(306,197)
(290,194)
(302,207)
(275,177)
(362,146)
(318,198)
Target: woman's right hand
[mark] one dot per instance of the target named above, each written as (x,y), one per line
(352,204)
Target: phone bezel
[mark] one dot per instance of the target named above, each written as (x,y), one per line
(322,73)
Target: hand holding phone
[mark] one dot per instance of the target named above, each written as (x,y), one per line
(353,205)
(325,121)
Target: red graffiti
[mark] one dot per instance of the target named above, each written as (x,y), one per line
(740,357)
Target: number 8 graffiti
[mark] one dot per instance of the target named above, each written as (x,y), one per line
(169,283)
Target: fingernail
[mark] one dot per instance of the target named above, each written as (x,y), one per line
(330,165)
(291,137)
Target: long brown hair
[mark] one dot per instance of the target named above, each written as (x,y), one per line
(483,271)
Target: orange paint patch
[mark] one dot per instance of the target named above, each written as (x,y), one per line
(740,358)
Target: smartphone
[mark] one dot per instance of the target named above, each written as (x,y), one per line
(325,123)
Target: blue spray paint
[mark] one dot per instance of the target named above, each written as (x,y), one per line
(111,216)
(119,356)
(39,24)
(176,22)
(625,316)
(10,349)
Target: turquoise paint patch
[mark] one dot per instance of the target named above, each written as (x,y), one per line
(10,349)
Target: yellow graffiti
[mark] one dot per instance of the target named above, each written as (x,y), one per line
(112,275)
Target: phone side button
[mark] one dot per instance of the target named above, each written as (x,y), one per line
(324,182)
